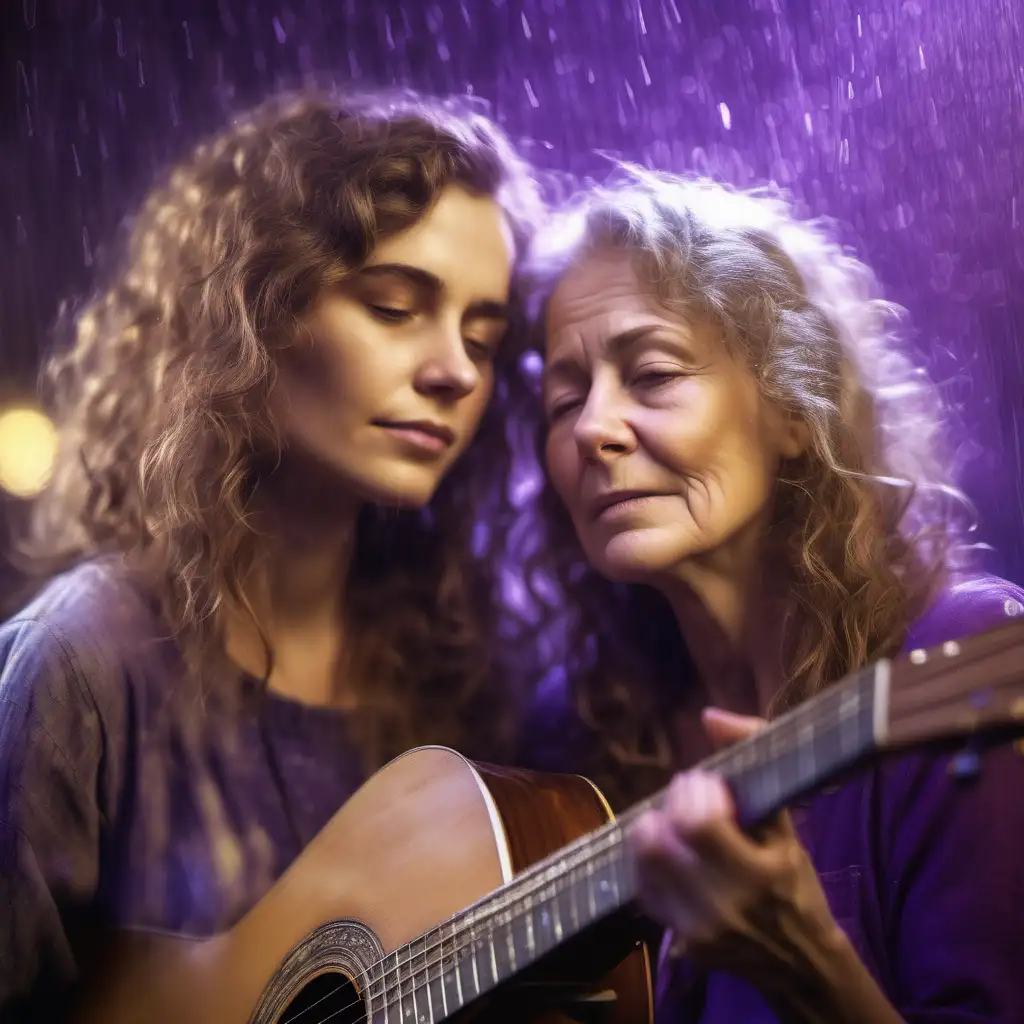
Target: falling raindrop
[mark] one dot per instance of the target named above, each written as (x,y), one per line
(901,121)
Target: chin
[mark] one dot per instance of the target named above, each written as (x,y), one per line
(409,498)
(394,483)
(408,487)
(637,556)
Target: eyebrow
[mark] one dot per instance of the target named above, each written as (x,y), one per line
(484,309)
(568,368)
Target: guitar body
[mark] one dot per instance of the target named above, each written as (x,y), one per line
(426,837)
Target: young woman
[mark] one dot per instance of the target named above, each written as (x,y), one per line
(265,520)
(747,500)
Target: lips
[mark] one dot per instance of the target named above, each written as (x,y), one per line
(431,429)
(603,502)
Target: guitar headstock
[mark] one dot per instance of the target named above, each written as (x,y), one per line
(961,688)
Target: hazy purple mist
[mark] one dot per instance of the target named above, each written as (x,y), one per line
(903,120)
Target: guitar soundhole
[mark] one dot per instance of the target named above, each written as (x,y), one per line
(330,998)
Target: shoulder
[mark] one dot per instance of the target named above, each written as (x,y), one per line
(79,638)
(922,797)
(915,793)
(966,606)
(88,597)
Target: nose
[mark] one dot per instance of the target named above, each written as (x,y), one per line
(601,431)
(447,371)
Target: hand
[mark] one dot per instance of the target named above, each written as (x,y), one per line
(750,905)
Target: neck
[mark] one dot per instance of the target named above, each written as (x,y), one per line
(294,601)
(731,607)
(310,521)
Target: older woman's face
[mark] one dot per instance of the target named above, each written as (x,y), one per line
(659,443)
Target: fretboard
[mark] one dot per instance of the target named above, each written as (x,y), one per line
(561,896)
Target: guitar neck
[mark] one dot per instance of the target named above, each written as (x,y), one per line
(567,893)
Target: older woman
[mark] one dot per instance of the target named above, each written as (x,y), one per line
(747,498)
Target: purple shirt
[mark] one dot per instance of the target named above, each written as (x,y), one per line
(125,800)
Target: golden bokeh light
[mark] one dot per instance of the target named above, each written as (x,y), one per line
(28,448)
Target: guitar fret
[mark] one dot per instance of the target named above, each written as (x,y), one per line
(591,895)
(473,950)
(430,998)
(519,935)
(450,988)
(393,970)
(419,979)
(435,998)
(442,974)
(458,979)
(494,958)
(545,927)
(563,906)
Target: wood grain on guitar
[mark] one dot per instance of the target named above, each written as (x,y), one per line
(450,890)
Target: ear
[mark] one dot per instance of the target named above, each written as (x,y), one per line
(794,435)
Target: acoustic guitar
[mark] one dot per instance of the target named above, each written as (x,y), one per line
(446,889)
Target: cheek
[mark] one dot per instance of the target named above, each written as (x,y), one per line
(307,370)
(745,472)
(715,430)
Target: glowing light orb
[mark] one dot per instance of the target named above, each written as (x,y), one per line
(28,449)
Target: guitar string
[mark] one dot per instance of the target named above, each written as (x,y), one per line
(457,941)
(787,725)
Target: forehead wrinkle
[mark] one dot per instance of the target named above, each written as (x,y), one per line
(604,332)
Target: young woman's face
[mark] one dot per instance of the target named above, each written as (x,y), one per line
(394,379)
(659,443)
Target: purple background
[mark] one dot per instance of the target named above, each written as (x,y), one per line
(903,120)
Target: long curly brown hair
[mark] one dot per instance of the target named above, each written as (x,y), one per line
(869,517)
(161,395)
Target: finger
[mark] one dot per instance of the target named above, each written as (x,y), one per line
(656,840)
(779,827)
(725,727)
(699,808)
(669,886)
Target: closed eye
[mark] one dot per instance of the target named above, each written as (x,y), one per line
(560,409)
(654,378)
(481,349)
(390,314)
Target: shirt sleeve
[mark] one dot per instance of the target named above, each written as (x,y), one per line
(50,753)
